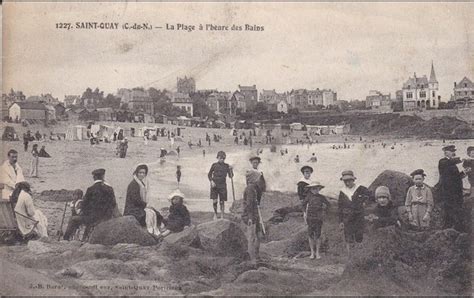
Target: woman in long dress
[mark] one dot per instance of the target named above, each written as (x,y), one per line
(34,161)
(136,202)
(26,211)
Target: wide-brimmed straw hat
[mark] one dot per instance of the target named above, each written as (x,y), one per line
(176,193)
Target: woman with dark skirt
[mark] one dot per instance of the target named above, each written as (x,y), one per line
(136,202)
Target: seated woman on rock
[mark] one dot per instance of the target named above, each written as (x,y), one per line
(178,217)
(136,202)
(385,213)
(26,213)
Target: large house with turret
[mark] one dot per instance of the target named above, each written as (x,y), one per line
(420,93)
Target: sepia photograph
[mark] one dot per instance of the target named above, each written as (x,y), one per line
(236,148)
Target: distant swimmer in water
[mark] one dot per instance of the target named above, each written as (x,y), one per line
(313,158)
(297,158)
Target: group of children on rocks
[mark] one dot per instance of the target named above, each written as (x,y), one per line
(352,199)
(419,204)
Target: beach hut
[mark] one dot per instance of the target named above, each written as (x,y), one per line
(76,133)
(296,126)
(151,131)
(102,131)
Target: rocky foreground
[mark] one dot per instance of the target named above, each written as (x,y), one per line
(209,258)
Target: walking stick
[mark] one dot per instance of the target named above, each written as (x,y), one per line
(261,220)
(233,191)
(62,222)
(178,174)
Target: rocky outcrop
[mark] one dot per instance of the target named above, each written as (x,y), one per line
(125,229)
(188,237)
(222,237)
(410,263)
(397,182)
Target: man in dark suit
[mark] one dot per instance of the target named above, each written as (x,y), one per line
(450,181)
(98,205)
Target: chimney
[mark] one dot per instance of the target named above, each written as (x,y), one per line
(454,84)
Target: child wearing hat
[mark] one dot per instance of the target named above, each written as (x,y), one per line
(255,162)
(304,181)
(314,205)
(217,177)
(385,213)
(352,198)
(419,201)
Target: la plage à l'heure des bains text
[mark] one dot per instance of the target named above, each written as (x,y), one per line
(212,27)
(148,26)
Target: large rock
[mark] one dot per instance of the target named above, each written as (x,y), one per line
(125,229)
(410,263)
(397,182)
(188,237)
(222,237)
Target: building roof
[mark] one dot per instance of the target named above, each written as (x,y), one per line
(28,105)
(298,91)
(411,83)
(248,88)
(315,92)
(432,74)
(466,81)
(268,92)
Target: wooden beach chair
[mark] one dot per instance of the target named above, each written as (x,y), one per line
(8,224)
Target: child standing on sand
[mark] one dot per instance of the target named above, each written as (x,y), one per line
(314,205)
(419,201)
(217,176)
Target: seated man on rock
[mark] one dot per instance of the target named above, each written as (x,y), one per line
(97,205)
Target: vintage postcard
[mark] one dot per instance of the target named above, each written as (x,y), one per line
(230,148)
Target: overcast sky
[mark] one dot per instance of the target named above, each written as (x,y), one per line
(350,48)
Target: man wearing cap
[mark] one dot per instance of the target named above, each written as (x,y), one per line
(98,205)
(450,182)
(250,215)
(351,209)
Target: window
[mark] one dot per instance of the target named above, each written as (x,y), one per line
(465,85)
(434,103)
(423,94)
(472,92)
(433,94)
(409,95)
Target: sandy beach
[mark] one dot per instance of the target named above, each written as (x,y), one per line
(72,162)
